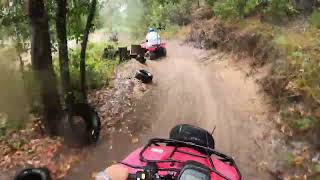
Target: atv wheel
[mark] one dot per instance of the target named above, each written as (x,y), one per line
(152,55)
(33,174)
(193,134)
(144,76)
(164,52)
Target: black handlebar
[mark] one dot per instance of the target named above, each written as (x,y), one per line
(132,177)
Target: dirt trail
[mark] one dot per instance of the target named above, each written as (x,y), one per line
(200,88)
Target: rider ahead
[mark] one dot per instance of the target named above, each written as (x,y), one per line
(152,38)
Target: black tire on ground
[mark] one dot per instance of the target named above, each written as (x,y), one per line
(84,126)
(152,55)
(33,174)
(141,59)
(144,76)
(164,52)
(193,134)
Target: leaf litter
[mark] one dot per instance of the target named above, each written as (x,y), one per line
(30,148)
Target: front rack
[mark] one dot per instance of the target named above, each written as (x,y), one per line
(156,141)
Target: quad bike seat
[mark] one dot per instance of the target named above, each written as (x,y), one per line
(193,134)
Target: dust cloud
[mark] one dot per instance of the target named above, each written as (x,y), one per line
(125,17)
(13,99)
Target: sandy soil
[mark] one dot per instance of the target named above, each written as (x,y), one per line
(201,88)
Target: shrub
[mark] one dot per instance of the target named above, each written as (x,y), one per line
(275,10)
(180,13)
(98,70)
(315,18)
(226,9)
(252,6)
(279,9)
(210,2)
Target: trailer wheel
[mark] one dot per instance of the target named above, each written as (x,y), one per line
(84,126)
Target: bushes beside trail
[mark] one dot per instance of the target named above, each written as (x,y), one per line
(293,51)
(99,70)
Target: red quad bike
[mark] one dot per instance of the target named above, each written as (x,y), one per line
(154,52)
(189,154)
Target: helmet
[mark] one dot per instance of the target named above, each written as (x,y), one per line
(33,174)
(151,30)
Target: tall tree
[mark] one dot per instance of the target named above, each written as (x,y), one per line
(84,44)
(61,18)
(41,59)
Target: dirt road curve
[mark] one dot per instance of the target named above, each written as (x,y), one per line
(201,88)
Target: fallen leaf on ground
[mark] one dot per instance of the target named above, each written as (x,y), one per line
(135,140)
(262,165)
(298,160)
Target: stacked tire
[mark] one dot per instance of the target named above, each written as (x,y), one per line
(81,125)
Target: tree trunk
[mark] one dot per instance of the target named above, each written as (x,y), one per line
(41,59)
(61,18)
(84,48)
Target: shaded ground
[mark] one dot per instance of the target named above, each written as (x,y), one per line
(201,88)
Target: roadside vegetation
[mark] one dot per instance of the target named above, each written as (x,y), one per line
(34,88)
(16,47)
(292,32)
(283,33)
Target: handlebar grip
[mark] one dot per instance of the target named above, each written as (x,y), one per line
(132,177)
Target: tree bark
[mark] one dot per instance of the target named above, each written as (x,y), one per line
(61,19)
(84,48)
(41,59)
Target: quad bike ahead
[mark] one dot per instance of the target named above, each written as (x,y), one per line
(154,52)
(189,154)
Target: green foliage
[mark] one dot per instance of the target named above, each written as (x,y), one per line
(316,168)
(77,18)
(210,2)
(297,120)
(135,16)
(13,24)
(99,70)
(251,6)
(275,10)
(279,9)
(226,9)
(303,124)
(315,18)
(307,79)
(180,13)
